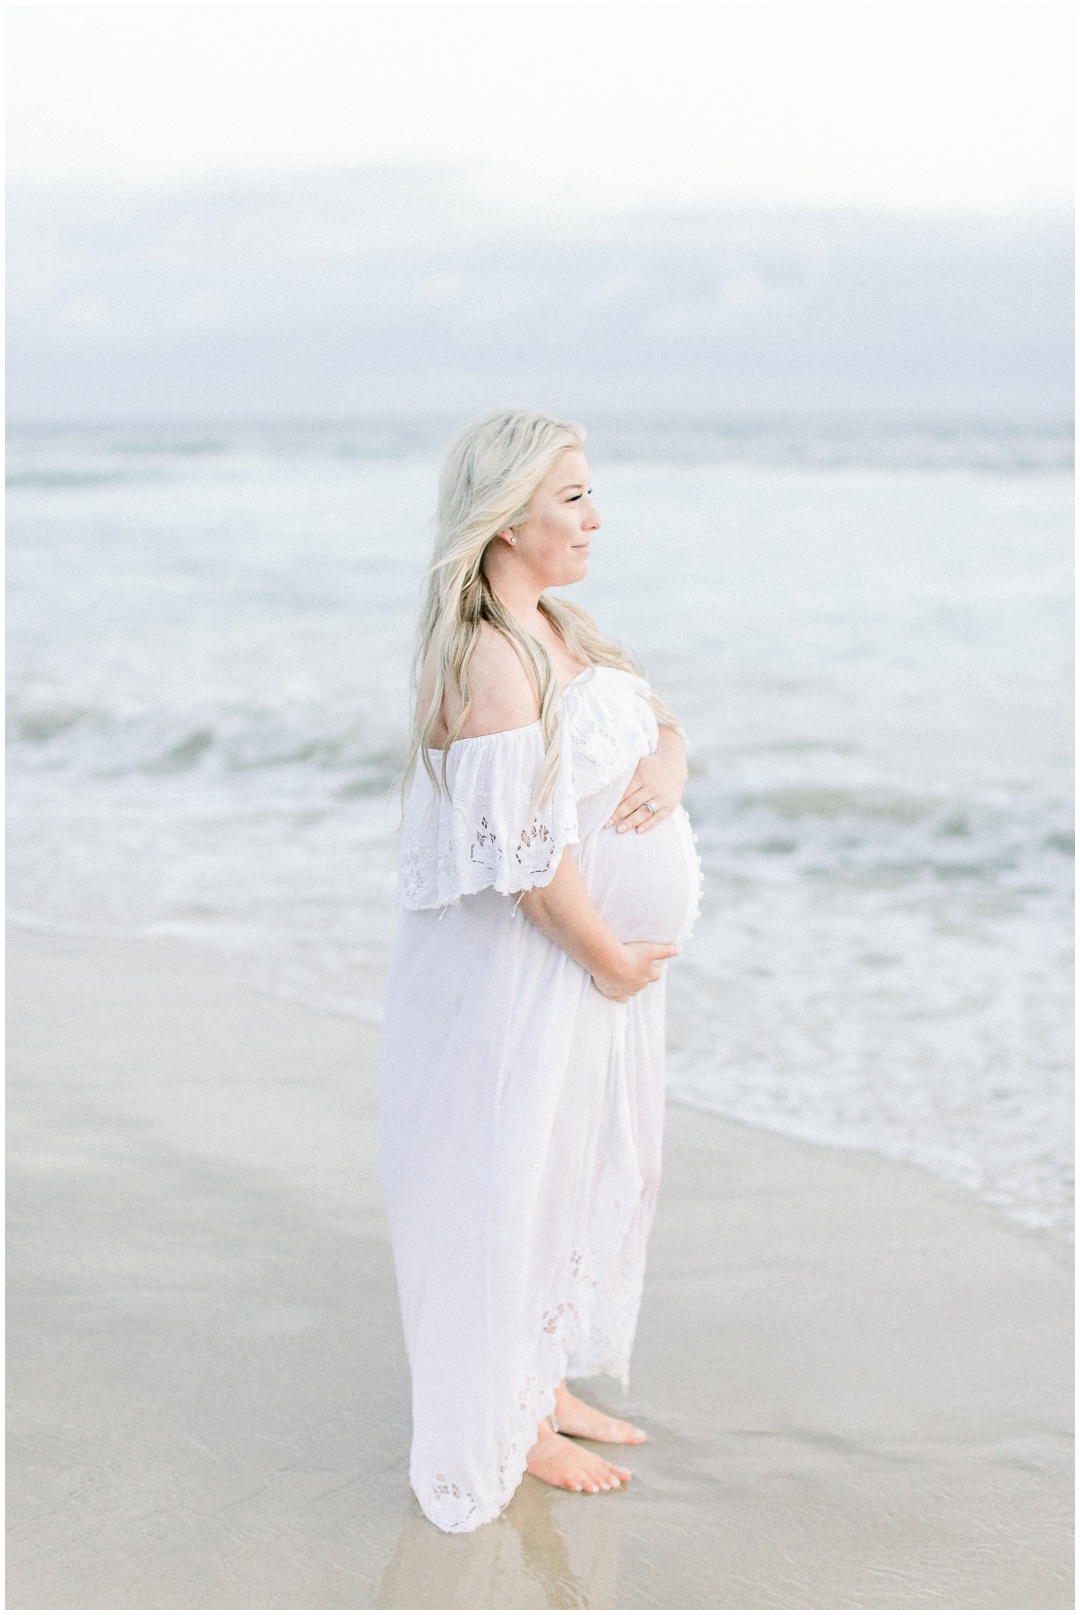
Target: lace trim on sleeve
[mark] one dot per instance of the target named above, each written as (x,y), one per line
(486,834)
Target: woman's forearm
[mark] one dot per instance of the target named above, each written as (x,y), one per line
(567,915)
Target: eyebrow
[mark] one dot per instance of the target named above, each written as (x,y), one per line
(570,485)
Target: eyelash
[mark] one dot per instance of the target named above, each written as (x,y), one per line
(574,496)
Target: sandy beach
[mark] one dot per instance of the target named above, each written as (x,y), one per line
(857,1378)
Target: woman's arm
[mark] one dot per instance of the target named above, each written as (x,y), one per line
(659,778)
(566,914)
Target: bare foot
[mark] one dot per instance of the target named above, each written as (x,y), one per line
(577,1418)
(560,1463)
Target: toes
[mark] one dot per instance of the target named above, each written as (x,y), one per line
(629,1435)
(590,1473)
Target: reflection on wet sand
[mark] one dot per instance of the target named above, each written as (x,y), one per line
(522,1560)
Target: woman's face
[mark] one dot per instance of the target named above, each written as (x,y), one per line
(553,541)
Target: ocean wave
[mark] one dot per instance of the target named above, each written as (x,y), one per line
(64,456)
(865,833)
(64,477)
(92,741)
(989,446)
(882,837)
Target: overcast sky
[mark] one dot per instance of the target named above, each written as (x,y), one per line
(940,106)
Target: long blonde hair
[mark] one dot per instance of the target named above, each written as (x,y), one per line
(487,484)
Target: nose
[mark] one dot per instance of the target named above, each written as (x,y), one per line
(592,516)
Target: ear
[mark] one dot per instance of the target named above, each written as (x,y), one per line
(507,534)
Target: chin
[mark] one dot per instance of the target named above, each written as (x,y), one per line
(571,568)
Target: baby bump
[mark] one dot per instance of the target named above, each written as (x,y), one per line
(646,887)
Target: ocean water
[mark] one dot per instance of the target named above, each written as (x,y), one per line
(865,630)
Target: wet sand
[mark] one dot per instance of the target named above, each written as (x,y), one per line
(857,1379)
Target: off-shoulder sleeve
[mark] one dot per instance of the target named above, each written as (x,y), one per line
(486,832)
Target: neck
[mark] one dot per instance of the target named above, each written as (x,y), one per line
(516,591)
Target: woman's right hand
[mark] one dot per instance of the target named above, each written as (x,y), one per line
(635,965)
(566,914)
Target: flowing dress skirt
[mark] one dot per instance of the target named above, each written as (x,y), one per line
(521,1117)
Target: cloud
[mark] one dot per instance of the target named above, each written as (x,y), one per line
(402,290)
(83,312)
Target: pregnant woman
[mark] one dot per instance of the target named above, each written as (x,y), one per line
(547,872)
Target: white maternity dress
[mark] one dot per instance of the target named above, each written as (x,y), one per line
(521,1111)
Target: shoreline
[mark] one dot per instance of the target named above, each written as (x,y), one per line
(245,978)
(856,1376)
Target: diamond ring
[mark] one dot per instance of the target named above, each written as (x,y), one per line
(651,805)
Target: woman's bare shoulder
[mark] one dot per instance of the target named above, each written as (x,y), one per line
(502,694)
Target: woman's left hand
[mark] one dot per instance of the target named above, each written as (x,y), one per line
(660,779)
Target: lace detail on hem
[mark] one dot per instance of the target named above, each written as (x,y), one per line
(453,1508)
(583,1333)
